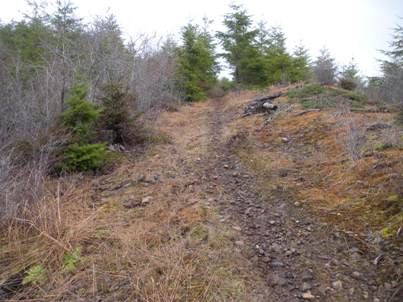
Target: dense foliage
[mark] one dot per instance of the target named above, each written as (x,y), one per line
(258,55)
(80,115)
(197,70)
(83,158)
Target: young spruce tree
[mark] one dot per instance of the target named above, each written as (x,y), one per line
(197,71)
(241,50)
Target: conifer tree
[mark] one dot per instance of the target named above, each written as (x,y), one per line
(325,68)
(301,64)
(238,42)
(198,66)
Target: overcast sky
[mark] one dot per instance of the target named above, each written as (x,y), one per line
(349,28)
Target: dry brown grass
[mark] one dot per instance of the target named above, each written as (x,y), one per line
(322,172)
(173,248)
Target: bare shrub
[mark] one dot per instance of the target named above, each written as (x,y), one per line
(152,74)
(216,92)
(353,136)
(393,137)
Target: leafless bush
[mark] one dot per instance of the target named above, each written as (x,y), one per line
(22,186)
(152,77)
(353,136)
(32,93)
(392,137)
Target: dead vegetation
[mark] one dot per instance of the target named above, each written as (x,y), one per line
(150,231)
(334,161)
(145,232)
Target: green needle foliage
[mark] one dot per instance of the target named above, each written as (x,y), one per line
(84,158)
(197,70)
(81,115)
(258,56)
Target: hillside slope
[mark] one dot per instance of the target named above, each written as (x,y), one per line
(229,208)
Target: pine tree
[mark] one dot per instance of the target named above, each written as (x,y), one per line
(393,69)
(349,78)
(238,42)
(198,66)
(325,68)
(278,63)
(301,70)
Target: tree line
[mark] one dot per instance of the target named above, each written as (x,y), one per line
(47,54)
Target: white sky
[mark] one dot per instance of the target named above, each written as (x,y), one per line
(349,28)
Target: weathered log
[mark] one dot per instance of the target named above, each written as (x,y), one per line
(261,104)
(267,97)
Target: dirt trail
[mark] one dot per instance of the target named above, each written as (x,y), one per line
(188,221)
(299,257)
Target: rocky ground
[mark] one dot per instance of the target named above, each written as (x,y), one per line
(299,257)
(188,220)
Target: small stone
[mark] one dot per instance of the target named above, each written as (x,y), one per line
(285,140)
(297,204)
(337,285)
(306,286)
(237,228)
(226,166)
(235,174)
(248,211)
(308,295)
(239,243)
(275,248)
(277,263)
(268,105)
(146,200)
(377,300)
(277,280)
(272,222)
(131,203)
(306,276)
(356,275)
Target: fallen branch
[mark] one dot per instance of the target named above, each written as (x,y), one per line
(261,104)
(378,110)
(306,111)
